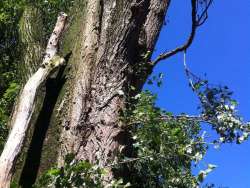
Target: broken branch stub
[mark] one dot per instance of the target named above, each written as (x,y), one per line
(24,110)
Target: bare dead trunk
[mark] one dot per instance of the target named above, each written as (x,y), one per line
(25,106)
(31,45)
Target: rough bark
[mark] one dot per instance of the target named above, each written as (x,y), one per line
(25,106)
(114,38)
(108,40)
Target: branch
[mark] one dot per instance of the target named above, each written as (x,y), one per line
(195,24)
(187,117)
(52,46)
(177,117)
(201,18)
(21,119)
(162,155)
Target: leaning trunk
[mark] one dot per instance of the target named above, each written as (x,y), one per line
(26,103)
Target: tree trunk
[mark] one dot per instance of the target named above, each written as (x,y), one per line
(30,34)
(21,121)
(109,59)
(25,106)
(109,41)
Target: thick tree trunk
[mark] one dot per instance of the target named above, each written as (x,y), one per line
(109,40)
(115,37)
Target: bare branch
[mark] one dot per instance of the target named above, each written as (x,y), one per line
(204,15)
(195,24)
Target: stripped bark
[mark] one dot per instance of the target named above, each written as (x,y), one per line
(25,106)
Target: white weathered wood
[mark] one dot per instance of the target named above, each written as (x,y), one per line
(52,45)
(20,122)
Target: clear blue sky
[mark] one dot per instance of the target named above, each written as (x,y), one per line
(221,49)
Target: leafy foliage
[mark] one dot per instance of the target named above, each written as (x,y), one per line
(80,174)
(10,12)
(165,149)
(6,103)
(219,109)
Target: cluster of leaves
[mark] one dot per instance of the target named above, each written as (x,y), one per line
(219,109)
(79,174)
(165,149)
(156,79)
(10,11)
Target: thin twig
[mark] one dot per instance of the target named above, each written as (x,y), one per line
(201,18)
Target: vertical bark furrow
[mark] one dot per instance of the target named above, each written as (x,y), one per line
(94,131)
(80,93)
(111,40)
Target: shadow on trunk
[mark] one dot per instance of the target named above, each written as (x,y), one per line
(32,162)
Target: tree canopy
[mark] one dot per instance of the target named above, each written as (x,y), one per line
(163,147)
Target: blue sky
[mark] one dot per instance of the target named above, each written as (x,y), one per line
(221,50)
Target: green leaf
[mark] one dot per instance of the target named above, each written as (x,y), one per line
(54,172)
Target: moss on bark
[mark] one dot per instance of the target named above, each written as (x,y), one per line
(41,148)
